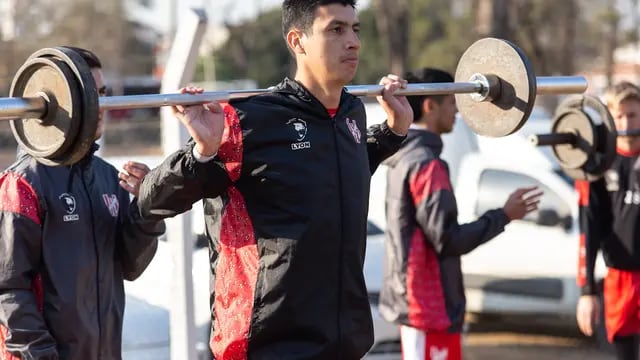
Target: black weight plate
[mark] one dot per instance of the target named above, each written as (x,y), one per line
(90,104)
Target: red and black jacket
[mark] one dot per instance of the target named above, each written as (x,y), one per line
(69,236)
(285,203)
(609,214)
(423,286)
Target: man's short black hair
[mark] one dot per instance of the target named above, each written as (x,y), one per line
(425,75)
(89,57)
(301,13)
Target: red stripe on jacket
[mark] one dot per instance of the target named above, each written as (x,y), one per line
(18,196)
(238,260)
(425,297)
(582,188)
(430,179)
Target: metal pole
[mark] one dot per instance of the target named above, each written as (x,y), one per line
(550,85)
(545,85)
(553,139)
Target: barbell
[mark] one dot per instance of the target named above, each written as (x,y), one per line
(54,104)
(583,137)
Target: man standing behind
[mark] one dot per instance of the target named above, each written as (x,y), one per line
(422,288)
(69,237)
(609,214)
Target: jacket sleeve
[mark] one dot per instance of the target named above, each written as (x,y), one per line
(26,336)
(437,214)
(172,187)
(381,143)
(138,240)
(595,222)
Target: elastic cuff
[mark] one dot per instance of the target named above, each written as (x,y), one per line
(201,158)
(588,290)
(387,131)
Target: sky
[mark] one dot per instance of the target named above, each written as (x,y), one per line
(218,11)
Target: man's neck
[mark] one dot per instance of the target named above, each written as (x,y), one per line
(327,93)
(425,124)
(629,147)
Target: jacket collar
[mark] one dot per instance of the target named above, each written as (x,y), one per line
(295,88)
(417,138)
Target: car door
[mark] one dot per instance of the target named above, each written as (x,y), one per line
(534,257)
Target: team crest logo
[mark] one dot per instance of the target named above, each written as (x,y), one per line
(69,203)
(353,127)
(438,353)
(300,128)
(111,201)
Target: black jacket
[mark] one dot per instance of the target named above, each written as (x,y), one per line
(609,214)
(286,203)
(69,235)
(423,285)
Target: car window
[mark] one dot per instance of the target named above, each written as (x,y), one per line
(496,186)
(372,229)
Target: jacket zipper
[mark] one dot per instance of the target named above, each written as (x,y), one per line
(95,249)
(340,256)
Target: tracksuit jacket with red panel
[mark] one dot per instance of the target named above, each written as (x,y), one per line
(69,236)
(285,203)
(609,213)
(423,286)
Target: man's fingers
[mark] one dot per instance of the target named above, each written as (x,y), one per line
(583,323)
(532,207)
(125,185)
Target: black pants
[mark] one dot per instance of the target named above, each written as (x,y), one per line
(627,347)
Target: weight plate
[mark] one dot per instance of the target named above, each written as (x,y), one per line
(511,108)
(90,105)
(52,135)
(601,155)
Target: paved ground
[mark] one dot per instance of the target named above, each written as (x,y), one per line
(515,341)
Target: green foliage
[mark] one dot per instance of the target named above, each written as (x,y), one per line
(557,37)
(255,50)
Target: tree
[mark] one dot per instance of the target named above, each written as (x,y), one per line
(101,26)
(393,22)
(255,50)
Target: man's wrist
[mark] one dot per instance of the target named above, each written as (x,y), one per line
(396,131)
(202,158)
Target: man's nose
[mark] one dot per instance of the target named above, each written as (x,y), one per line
(354,41)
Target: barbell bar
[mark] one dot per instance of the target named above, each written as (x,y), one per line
(569,138)
(53,104)
(11,108)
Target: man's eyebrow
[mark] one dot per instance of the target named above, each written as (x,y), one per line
(342,23)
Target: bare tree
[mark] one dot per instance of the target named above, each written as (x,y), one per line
(392,21)
(611,19)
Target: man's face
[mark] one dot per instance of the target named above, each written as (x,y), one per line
(626,117)
(442,113)
(447,113)
(332,44)
(99,79)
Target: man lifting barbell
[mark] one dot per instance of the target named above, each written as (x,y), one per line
(598,145)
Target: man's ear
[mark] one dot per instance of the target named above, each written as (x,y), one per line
(429,105)
(295,41)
